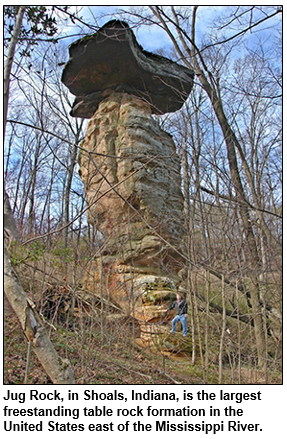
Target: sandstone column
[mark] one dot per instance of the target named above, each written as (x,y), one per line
(119,87)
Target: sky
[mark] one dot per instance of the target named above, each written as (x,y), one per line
(150,38)
(153,38)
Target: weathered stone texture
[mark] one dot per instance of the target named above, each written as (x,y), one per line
(112,60)
(123,131)
(120,86)
(121,137)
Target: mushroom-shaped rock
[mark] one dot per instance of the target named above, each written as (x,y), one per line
(112,60)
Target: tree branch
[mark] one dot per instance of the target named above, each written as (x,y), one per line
(234,200)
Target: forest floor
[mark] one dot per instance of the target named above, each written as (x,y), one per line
(103,359)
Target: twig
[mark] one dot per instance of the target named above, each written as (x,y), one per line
(28,362)
(130,370)
(161,372)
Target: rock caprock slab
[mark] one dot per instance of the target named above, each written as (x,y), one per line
(112,60)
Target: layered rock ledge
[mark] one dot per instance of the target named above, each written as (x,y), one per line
(121,137)
(112,60)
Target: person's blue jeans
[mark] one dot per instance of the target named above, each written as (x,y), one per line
(183,320)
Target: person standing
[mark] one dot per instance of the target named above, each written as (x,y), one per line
(180,306)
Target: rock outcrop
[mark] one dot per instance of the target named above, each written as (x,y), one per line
(112,60)
(147,206)
(139,222)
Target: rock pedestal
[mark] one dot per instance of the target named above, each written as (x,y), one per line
(139,223)
(137,267)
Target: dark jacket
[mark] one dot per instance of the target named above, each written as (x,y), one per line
(180,308)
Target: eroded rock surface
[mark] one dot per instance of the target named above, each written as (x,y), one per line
(112,60)
(139,224)
(121,137)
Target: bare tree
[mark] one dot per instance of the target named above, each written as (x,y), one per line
(194,58)
(59,370)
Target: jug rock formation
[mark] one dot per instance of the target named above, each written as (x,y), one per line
(130,168)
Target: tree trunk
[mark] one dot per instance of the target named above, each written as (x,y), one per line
(73,158)
(186,203)
(9,221)
(220,360)
(230,141)
(9,62)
